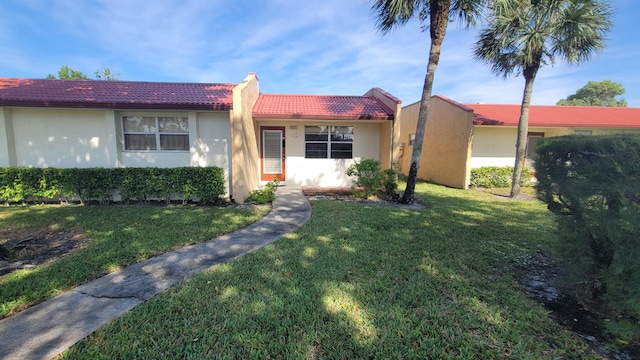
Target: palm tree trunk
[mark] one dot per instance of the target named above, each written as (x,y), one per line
(523,129)
(439,17)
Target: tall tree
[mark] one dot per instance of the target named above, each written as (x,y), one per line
(597,93)
(67,73)
(436,14)
(523,35)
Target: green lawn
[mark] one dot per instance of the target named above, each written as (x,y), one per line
(363,281)
(119,236)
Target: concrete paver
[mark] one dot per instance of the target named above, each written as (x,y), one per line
(45,330)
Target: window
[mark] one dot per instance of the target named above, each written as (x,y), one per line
(322,142)
(532,142)
(412,139)
(168,133)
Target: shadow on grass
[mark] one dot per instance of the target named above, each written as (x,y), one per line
(119,236)
(361,281)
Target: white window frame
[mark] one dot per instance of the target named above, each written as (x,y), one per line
(412,139)
(156,131)
(328,141)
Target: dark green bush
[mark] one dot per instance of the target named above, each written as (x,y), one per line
(202,184)
(497,177)
(592,184)
(389,181)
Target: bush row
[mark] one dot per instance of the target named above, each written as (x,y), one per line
(498,177)
(592,184)
(21,185)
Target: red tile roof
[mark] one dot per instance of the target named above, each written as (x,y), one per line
(327,107)
(558,116)
(114,94)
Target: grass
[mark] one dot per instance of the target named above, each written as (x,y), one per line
(119,236)
(362,281)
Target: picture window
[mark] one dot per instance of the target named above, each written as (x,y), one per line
(164,133)
(333,142)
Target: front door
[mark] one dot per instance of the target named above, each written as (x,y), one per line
(272,157)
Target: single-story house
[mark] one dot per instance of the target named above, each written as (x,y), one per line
(460,137)
(303,140)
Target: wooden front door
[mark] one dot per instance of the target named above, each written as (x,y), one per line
(272,153)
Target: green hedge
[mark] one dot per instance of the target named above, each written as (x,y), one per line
(22,185)
(592,184)
(498,177)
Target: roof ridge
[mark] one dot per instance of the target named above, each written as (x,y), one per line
(554,106)
(316,95)
(116,81)
(115,94)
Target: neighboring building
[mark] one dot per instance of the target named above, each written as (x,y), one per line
(446,151)
(306,140)
(460,137)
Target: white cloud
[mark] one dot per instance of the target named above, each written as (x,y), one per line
(295,47)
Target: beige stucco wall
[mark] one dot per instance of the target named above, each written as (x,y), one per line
(446,150)
(44,137)
(390,143)
(496,145)
(493,146)
(408,121)
(245,162)
(325,172)
(7,141)
(63,138)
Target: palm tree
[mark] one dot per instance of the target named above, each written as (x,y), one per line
(393,13)
(523,35)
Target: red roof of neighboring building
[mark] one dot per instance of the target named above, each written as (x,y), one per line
(114,94)
(557,116)
(334,107)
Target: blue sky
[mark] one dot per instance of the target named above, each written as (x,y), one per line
(296,47)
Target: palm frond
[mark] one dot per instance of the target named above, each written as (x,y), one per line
(392,13)
(525,34)
(582,33)
(468,12)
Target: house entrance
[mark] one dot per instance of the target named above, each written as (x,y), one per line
(272,157)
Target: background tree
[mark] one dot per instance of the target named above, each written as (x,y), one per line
(106,74)
(438,13)
(67,73)
(597,93)
(523,35)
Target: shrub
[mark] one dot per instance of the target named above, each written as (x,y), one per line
(264,195)
(389,181)
(372,179)
(204,184)
(367,176)
(497,177)
(10,190)
(592,184)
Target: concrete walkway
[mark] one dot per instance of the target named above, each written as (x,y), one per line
(45,330)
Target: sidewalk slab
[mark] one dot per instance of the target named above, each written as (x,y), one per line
(45,330)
